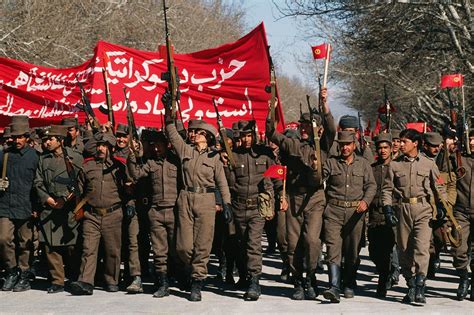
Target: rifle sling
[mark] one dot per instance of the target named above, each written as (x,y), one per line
(4,166)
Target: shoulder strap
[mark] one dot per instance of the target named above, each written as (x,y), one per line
(4,166)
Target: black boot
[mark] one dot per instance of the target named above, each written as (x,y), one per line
(222,269)
(196,286)
(12,278)
(471,297)
(334,278)
(463,284)
(382,285)
(298,293)
(24,283)
(410,296)
(311,287)
(81,288)
(136,286)
(420,289)
(285,273)
(163,285)
(253,292)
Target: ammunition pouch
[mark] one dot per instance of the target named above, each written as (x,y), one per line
(265,205)
(4,183)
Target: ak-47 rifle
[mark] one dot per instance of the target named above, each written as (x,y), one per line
(86,106)
(108,97)
(132,128)
(317,143)
(320,101)
(454,124)
(171,76)
(388,109)
(223,135)
(272,88)
(361,132)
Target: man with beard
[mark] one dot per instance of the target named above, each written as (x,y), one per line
(104,183)
(16,233)
(56,183)
(350,188)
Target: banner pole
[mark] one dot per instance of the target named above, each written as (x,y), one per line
(326,65)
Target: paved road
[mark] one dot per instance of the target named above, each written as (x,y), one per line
(219,299)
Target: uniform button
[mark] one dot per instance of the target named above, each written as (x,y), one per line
(347,185)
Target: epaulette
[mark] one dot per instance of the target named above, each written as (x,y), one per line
(120,159)
(88,159)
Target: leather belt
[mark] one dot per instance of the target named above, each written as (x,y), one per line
(249,202)
(413,200)
(200,190)
(104,211)
(344,204)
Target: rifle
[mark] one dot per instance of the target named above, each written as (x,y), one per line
(317,144)
(223,135)
(361,132)
(388,109)
(171,76)
(108,98)
(272,88)
(461,171)
(132,128)
(86,106)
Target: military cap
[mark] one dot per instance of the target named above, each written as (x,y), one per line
(348,121)
(432,138)
(306,118)
(6,133)
(20,119)
(383,137)
(121,129)
(70,122)
(246,126)
(210,131)
(19,129)
(55,131)
(157,136)
(346,136)
(235,129)
(105,137)
(229,133)
(193,123)
(395,133)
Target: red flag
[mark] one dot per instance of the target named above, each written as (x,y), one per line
(452,80)
(106,59)
(378,126)
(418,126)
(276,171)
(320,51)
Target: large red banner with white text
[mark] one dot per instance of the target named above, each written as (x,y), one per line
(236,74)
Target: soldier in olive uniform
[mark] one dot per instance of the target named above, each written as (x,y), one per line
(409,186)
(202,173)
(395,143)
(73,138)
(247,185)
(104,181)
(381,236)
(464,214)
(16,232)
(350,188)
(163,171)
(306,196)
(57,187)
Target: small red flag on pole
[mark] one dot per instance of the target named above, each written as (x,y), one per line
(320,51)
(276,171)
(452,80)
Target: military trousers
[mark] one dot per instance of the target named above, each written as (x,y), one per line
(342,234)
(130,232)
(413,238)
(162,231)
(109,229)
(63,261)
(16,238)
(196,219)
(461,255)
(381,242)
(249,225)
(304,220)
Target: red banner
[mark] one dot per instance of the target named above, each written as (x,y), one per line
(235,74)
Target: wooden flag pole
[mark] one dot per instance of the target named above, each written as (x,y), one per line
(284,185)
(326,65)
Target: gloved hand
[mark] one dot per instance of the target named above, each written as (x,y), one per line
(440,213)
(130,211)
(228,214)
(390,217)
(166,100)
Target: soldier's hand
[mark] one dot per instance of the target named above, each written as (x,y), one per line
(283,204)
(130,211)
(323,95)
(228,214)
(314,162)
(218,208)
(362,207)
(224,158)
(390,218)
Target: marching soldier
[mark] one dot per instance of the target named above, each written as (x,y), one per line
(163,171)
(104,182)
(251,202)
(16,232)
(202,173)
(409,186)
(381,236)
(306,197)
(350,188)
(56,184)
(464,214)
